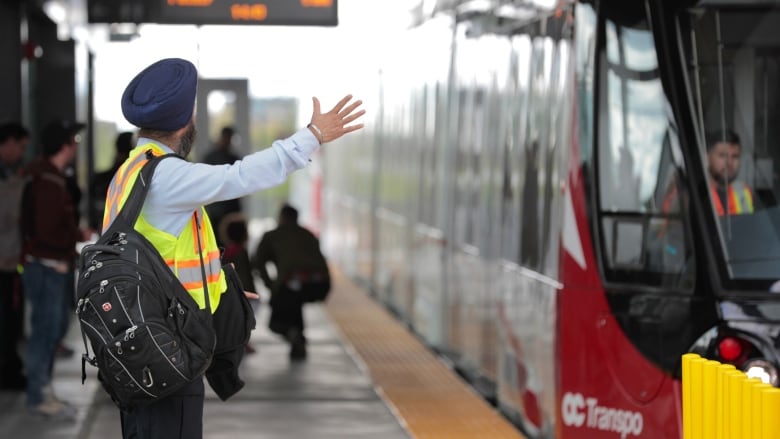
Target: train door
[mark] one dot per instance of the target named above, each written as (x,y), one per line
(530,204)
(464,269)
(429,302)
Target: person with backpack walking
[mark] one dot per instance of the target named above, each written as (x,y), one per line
(13,141)
(160,101)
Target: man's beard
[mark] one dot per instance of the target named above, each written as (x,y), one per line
(187,140)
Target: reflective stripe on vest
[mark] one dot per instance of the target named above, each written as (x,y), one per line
(739,199)
(180,253)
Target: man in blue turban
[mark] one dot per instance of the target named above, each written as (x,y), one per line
(162,96)
(160,101)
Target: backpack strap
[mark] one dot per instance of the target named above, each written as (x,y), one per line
(130,211)
(206,296)
(135,201)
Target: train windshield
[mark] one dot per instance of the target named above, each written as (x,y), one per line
(732,50)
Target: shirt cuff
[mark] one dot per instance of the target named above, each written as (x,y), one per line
(299,147)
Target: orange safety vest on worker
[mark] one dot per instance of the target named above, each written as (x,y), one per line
(179,252)
(740,199)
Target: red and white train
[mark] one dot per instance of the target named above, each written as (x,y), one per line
(535,197)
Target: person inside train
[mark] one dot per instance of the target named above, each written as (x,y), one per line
(729,195)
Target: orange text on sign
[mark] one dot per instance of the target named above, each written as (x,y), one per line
(316,3)
(256,12)
(194,3)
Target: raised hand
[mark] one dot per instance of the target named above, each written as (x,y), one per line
(335,123)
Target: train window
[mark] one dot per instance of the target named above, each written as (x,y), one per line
(511,213)
(642,205)
(734,53)
(464,213)
(535,154)
(429,139)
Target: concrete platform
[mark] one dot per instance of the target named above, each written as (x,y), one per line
(328,396)
(16,421)
(379,381)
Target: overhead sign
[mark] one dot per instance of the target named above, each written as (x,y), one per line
(271,12)
(268,12)
(117,11)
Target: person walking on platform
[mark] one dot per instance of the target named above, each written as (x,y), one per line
(50,237)
(160,100)
(302,272)
(13,141)
(222,154)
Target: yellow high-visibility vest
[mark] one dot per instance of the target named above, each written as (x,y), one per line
(179,252)
(740,199)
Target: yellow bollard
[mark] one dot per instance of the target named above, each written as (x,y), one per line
(709,394)
(721,402)
(770,413)
(755,421)
(735,403)
(686,393)
(748,408)
(721,410)
(697,400)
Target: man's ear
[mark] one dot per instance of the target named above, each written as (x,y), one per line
(180,132)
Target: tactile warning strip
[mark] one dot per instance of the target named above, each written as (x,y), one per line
(429,398)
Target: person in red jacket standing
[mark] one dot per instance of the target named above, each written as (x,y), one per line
(50,236)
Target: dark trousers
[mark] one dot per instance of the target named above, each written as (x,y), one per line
(11,326)
(179,416)
(286,312)
(45,290)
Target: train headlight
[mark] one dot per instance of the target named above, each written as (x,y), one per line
(761,369)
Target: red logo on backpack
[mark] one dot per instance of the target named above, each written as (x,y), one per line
(106,307)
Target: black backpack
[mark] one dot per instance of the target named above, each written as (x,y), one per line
(148,336)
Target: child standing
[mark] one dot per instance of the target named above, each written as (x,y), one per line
(235,235)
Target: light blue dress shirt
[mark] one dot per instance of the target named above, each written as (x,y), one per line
(180,187)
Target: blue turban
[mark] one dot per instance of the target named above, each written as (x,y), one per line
(162,96)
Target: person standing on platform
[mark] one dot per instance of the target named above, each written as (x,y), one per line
(160,100)
(50,236)
(13,141)
(234,232)
(123,144)
(301,270)
(222,154)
